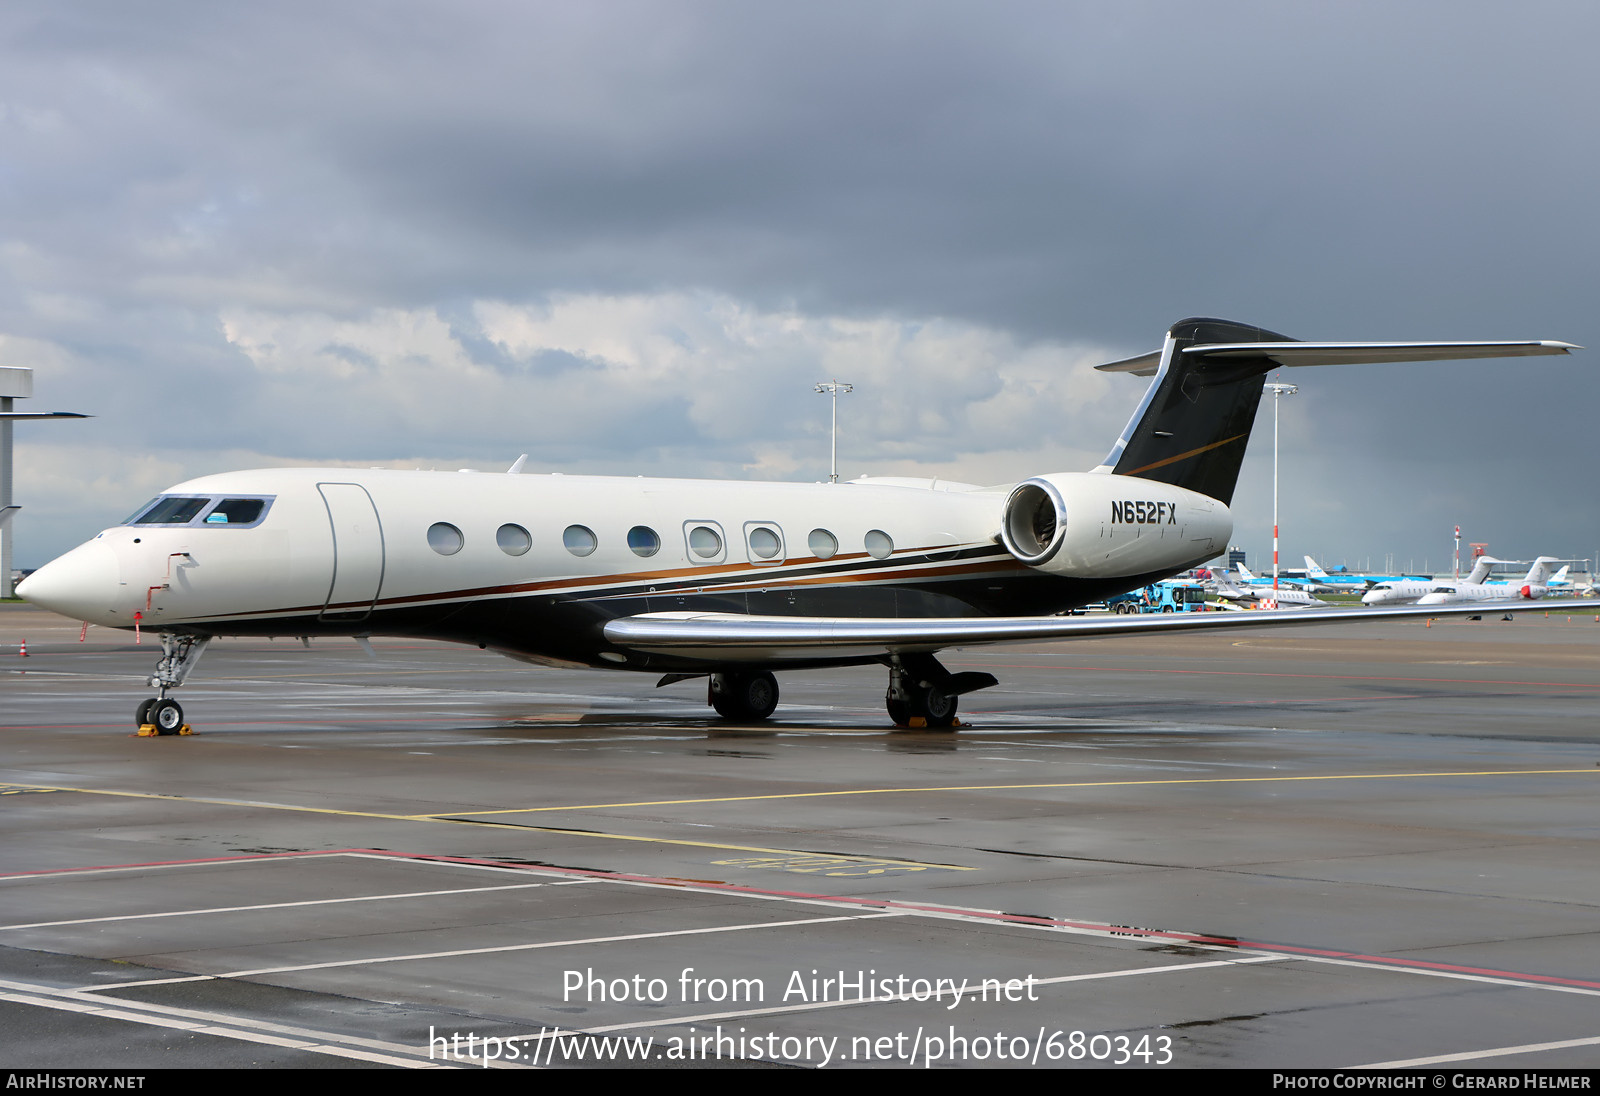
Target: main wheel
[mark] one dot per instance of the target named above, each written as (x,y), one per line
(899,710)
(142,716)
(744,695)
(936,708)
(167,716)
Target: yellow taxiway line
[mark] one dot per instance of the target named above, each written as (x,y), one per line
(1017,787)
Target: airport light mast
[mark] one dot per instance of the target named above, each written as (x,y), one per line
(1276,390)
(16,382)
(833,388)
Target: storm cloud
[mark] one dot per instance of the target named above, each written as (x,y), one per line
(629,237)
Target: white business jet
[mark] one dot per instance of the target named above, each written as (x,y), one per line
(1262,597)
(689,578)
(1474,588)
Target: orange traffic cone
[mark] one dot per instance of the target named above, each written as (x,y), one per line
(23,653)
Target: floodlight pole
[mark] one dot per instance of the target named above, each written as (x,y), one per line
(1276,390)
(16,382)
(833,388)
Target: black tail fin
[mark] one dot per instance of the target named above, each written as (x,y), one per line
(1191,428)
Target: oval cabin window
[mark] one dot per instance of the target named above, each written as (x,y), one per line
(513,540)
(643,541)
(704,542)
(580,540)
(765,543)
(445,538)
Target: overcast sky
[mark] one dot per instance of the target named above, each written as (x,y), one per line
(630,237)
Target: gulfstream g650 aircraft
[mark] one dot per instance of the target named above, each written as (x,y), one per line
(688,578)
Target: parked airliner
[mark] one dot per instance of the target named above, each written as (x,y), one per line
(690,578)
(1348,580)
(1248,578)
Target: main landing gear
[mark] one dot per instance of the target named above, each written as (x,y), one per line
(743,695)
(922,693)
(161,715)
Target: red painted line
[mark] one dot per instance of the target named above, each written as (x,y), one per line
(1020,919)
(1263,673)
(858,903)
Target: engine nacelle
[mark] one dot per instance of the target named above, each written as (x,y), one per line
(1098,525)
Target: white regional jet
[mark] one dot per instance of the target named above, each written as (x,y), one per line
(1473,590)
(1408,591)
(688,578)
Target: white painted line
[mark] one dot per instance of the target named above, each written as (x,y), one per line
(900,998)
(266,906)
(225,1032)
(71,1000)
(1473,1055)
(482,951)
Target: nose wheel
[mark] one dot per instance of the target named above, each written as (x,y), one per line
(163,717)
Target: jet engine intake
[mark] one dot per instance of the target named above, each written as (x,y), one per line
(1098,525)
(1035,522)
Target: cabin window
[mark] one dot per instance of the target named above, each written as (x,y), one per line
(643,541)
(879,544)
(823,544)
(705,541)
(513,540)
(445,538)
(580,540)
(764,542)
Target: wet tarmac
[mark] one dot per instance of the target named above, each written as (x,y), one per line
(1309,847)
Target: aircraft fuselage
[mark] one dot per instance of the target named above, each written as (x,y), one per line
(534,565)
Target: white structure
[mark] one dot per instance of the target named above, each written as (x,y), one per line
(833,388)
(16,382)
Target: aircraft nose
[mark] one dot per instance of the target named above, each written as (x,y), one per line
(83,584)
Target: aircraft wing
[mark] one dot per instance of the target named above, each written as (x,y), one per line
(732,638)
(1343,353)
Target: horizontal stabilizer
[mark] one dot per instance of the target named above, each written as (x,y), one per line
(43,415)
(1191,428)
(1341,353)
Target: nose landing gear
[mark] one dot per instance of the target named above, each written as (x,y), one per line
(161,715)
